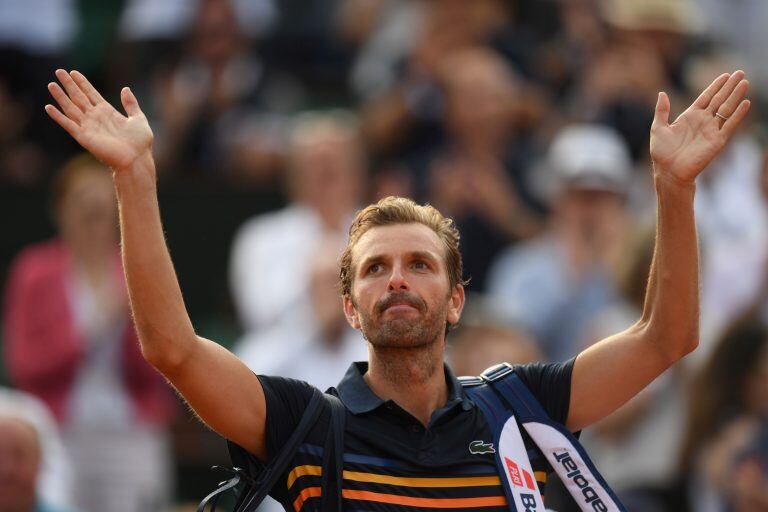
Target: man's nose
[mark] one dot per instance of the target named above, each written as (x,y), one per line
(397,280)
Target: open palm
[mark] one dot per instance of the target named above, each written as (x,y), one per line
(113,138)
(684,148)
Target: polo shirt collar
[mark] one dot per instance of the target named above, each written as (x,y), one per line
(359,398)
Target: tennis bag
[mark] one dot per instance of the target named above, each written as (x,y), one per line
(508,404)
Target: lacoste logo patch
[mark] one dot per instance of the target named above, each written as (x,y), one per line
(480,448)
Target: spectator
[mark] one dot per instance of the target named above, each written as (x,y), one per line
(215,107)
(631,446)
(31,47)
(479,177)
(403,110)
(69,340)
(53,485)
(20,459)
(272,254)
(553,284)
(320,350)
(724,453)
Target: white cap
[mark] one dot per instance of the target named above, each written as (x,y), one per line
(591,157)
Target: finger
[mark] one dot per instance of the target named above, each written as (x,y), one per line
(69,108)
(90,91)
(130,103)
(707,94)
(725,91)
(73,91)
(733,122)
(65,122)
(734,100)
(661,116)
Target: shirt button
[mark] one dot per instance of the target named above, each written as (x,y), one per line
(416,429)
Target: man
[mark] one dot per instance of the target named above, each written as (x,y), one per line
(34,472)
(408,421)
(553,284)
(271,254)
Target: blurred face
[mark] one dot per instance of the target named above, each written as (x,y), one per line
(401,297)
(327,171)
(87,214)
(217,35)
(480,95)
(19,465)
(590,209)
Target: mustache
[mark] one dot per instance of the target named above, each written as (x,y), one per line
(400,298)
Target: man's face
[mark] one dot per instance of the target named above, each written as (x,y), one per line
(19,464)
(401,295)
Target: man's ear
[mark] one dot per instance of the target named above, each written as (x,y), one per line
(456,304)
(350,311)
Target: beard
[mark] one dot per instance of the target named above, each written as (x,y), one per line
(403,331)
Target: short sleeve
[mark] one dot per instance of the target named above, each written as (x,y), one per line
(550,383)
(286,401)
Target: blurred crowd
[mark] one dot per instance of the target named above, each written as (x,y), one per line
(526,121)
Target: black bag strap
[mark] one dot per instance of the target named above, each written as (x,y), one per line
(333,457)
(257,490)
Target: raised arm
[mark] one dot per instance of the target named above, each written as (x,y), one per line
(615,369)
(219,387)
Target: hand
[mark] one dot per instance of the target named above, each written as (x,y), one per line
(683,149)
(116,140)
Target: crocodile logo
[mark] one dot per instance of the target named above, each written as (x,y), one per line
(480,448)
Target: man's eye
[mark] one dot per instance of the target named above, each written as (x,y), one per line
(374,268)
(420,265)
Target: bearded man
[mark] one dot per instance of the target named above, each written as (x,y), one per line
(413,439)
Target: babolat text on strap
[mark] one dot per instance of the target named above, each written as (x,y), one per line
(506,403)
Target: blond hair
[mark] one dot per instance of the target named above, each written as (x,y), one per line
(400,210)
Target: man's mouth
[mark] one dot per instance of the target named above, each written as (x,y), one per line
(400,308)
(399,304)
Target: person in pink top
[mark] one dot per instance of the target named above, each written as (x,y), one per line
(69,340)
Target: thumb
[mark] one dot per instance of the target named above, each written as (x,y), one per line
(661,116)
(130,103)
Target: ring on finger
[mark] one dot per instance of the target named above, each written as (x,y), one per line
(721,116)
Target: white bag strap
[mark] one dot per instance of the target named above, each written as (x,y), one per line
(561,448)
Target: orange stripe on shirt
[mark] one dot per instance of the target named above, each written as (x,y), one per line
(488,501)
(309,492)
(476,481)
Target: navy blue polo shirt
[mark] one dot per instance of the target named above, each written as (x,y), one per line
(391,461)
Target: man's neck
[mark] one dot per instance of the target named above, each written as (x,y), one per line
(411,377)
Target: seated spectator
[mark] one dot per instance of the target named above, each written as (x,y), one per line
(271,254)
(41,475)
(553,284)
(69,340)
(724,454)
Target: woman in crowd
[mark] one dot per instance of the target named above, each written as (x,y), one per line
(70,341)
(725,453)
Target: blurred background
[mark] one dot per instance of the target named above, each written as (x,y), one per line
(527,121)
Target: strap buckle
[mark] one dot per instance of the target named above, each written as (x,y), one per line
(496,372)
(470,381)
